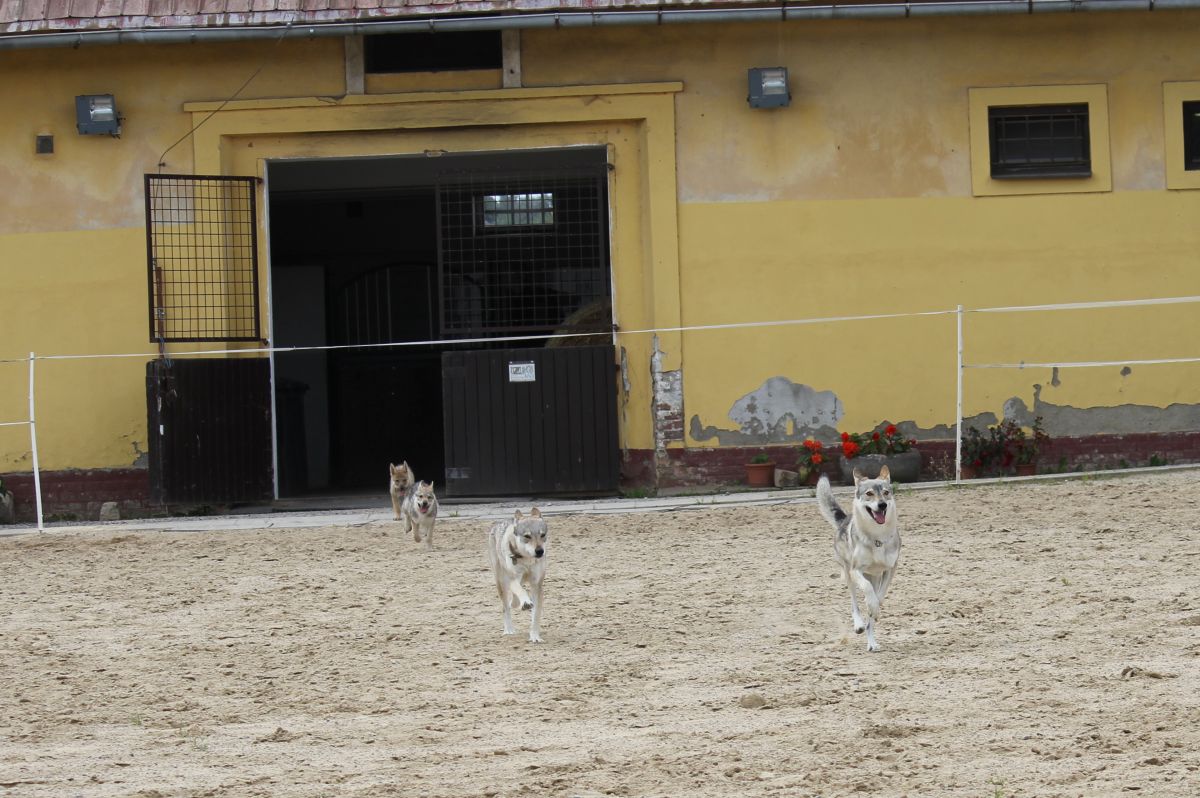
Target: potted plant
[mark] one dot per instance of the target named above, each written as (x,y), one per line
(978,452)
(1021,449)
(808,467)
(869,452)
(760,471)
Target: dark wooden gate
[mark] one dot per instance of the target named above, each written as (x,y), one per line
(530,421)
(210,431)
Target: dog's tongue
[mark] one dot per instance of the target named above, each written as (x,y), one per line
(879,515)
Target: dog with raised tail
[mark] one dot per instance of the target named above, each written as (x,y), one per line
(517,551)
(419,510)
(866,543)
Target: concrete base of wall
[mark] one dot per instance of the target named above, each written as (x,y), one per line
(78,495)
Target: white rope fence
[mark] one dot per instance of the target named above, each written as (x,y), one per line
(957,312)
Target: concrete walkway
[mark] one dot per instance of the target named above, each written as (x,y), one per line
(260,519)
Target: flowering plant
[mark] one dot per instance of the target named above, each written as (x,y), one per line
(1003,445)
(811,456)
(887,441)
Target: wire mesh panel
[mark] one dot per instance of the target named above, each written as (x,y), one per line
(202,250)
(524,252)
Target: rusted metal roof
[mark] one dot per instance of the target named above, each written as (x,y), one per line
(19,17)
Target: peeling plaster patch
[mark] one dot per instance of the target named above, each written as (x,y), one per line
(1054,380)
(941,432)
(778,411)
(140,459)
(667,401)
(1066,421)
(1125,372)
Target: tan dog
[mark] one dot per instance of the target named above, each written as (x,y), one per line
(419,510)
(401,479)
(517,550)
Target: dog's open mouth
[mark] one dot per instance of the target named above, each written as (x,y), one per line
(879,515)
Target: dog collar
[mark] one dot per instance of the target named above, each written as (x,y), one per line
(513,554)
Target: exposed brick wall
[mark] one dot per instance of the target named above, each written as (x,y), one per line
(695,467)
(79,494)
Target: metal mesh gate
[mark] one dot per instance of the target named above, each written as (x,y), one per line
(524,252)
(202,251)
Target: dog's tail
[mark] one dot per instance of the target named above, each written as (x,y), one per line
(828,505)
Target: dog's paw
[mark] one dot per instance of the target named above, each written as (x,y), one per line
(859,628)
(535,638)
(872,646)
(510,631)
(527,604)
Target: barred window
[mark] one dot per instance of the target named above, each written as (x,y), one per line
(1032,141)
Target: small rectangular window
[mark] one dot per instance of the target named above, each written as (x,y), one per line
(1031,141)
(1191,135)
(431,52)
(501,211)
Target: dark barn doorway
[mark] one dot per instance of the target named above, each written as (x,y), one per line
(369,252)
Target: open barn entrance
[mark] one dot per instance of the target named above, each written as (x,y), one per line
(368,253)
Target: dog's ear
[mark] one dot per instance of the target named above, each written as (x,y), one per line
(885,473)
(858,476)
(392,469)
(517,515)
(536,513)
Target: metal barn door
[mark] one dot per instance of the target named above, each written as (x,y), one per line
(210,431)
(209,419)
(530,421)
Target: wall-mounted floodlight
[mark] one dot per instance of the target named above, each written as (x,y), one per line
(96,114)
(769,87)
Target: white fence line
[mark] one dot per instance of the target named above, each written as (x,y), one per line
(958,313)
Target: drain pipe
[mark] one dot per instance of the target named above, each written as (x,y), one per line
(581,19)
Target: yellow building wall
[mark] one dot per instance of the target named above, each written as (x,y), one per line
(858,199)
(855,199)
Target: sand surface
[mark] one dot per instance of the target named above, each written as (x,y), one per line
(1041,639)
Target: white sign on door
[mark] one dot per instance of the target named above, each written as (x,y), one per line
(522,371)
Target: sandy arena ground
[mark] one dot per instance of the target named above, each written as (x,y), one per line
(1041,639)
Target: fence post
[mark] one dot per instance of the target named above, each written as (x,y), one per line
(959,413)
(37,477)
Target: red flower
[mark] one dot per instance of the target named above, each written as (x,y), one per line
(849,448)
(874,436)
(845,437)
(817,459)
(812,446)
(890,430)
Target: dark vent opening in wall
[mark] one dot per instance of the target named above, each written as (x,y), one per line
(1191,135)
(431,52)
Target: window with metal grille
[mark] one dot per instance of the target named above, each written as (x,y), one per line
(501,212)
(1039,141)
(1191,135)
(202,253)
(432,52)
(524,253)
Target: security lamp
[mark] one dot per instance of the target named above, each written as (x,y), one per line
(96,114)
(769,87)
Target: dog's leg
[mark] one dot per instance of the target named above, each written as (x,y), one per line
(868,591)
(505,602)
(871,644)
(429,537)
(395,508)
(854,614)
(517,590)
(535,622)
(410,523)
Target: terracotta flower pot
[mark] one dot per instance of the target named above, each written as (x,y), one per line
(969,472)
(760,475)
(1026,469)
(809,476)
